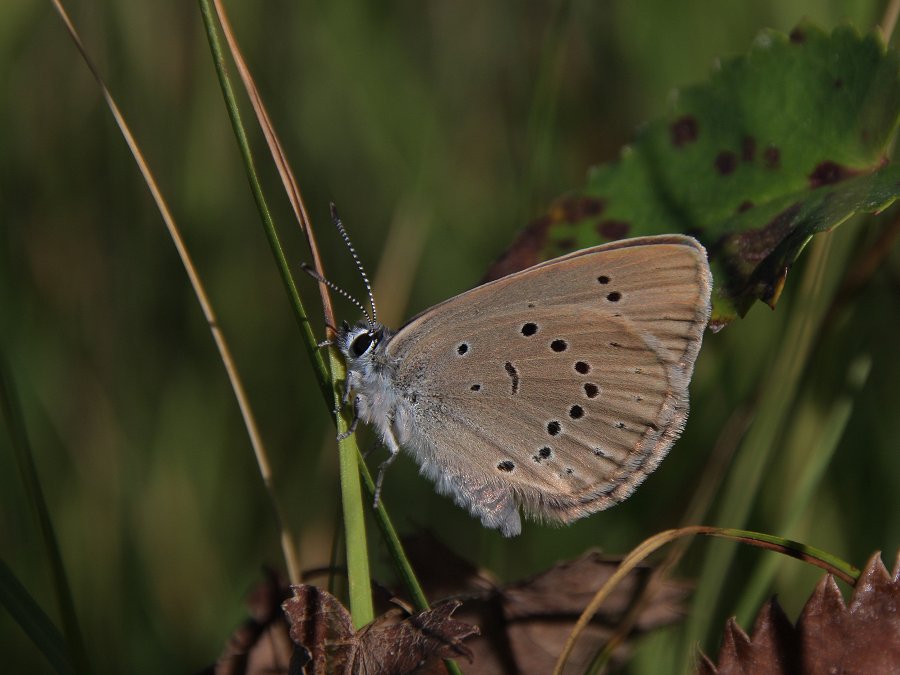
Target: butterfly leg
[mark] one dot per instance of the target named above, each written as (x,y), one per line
(345,396)
(394,448)
(348,385)
(352,428)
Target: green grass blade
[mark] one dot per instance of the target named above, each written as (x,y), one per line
(797,549)
(11,412)
(26,612)
(816,452)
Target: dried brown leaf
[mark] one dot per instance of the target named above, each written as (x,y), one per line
(395,643)
(322,627)
(830,636)
(542,611)
(261,646)
(567,587)
(399,643)
(523,624)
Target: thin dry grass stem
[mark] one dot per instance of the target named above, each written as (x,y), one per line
(287,543)
(631,561)
(889,20)
(280,159)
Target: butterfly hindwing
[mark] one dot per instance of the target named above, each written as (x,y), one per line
(561,387)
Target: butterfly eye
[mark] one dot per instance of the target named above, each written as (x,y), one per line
(361,344)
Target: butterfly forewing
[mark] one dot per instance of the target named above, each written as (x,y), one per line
(564,384)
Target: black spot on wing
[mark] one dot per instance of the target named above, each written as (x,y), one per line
(514,376)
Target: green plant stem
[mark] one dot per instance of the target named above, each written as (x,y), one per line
(11,412)
(358,577)
(309,339)
(357,551)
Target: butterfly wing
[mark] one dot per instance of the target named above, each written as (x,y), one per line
(558,388)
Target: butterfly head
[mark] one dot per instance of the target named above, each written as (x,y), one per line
(359,342)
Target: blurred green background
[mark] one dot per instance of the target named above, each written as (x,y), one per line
(439,129)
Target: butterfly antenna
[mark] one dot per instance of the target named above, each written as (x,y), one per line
(362,272)
(318,277)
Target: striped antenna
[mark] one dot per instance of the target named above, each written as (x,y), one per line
(362,272)
(318,277)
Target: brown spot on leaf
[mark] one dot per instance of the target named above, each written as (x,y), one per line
(753,246)
(748,148)
(829,173)
(683,131)
(613,229)
(838,83)
(592,206)
(530,246)
(574,209)
(797,36)
(725,163)
(745,205)
(772,157)
(524,252)
(748,272)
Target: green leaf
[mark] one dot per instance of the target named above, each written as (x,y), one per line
(783,142)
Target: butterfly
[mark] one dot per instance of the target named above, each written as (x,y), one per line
(555,390)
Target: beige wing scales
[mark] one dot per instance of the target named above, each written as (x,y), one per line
(566,384)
